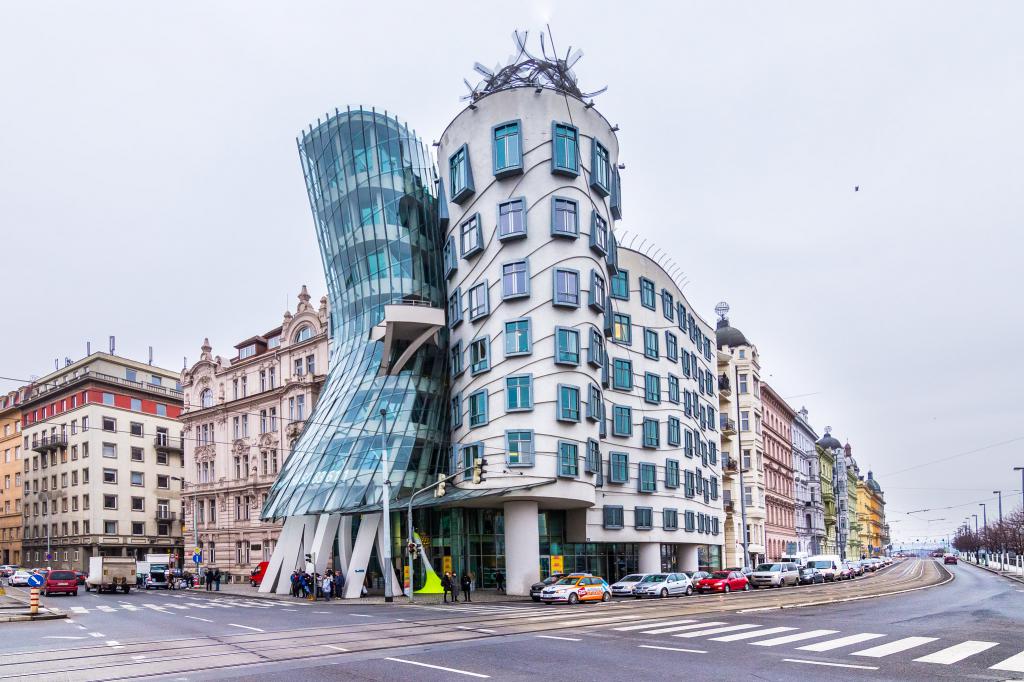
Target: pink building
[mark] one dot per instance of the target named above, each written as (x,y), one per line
(780,500)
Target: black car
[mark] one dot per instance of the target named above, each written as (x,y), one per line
(810,576)
(696,576)
(536,588)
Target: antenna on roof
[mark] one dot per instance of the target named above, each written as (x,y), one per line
(88,348)
(112,345)
(151,355)
(67,361)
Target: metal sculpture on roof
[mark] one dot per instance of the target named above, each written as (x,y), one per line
(523,69)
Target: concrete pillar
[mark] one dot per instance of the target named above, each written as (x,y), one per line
(522,547)
(687,554)
(650,557)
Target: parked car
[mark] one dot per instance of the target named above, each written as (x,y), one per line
(624,586)
(81,577)
(872,564)
(664,585)
(724,581)
(949,559)
(65,582)
(828,564)
(742,570)
(778,574)
(697,576)
(574,589)
(856,567)
(256,574)
(844,572)
(537,588)
(811,576)
(19,578)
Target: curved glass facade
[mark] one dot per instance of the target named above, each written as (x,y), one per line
(371,189)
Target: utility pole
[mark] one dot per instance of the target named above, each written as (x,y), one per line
(739,450)
(984,526)
(1002,549)
(1021,470)
(386,515)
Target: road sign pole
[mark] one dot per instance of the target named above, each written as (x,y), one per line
(33,601)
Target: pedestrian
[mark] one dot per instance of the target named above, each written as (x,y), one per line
(339,585)
(328,586)
(295,583)
(455,587)
(499,581)
(446,587)
(216,578)
(208,576)
(467,585)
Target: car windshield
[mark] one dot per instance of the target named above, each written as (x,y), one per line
(769,567)
(656,578)
(62,575)
(567,581)
(632,578)
(820,564)
(551,579)
(719,574)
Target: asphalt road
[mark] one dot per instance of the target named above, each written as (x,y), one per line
(961,629)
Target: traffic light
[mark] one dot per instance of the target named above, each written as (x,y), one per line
(479,466)
(439,490)
(309,558)
(411,547)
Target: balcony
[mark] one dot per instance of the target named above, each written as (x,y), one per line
(46,444)
(406,326)
(165,515)
(724,386)
(727,425)
(165,443)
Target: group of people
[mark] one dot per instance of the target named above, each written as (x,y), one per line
(212,576)
(329,584)
(451,582)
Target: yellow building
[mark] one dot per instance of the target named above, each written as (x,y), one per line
(871,516)
(10,477)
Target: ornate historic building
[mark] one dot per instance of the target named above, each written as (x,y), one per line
(780,498)
(810,509)
(242,415)
(10,477)
(830,452)
(871,515)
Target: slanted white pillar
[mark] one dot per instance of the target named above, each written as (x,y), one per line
(522,547)
(323,541)
(650,557)
(295,535)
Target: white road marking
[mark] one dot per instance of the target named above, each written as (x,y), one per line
(158,609)
(79,609)
(715,631)
(139,657)
(677,628)
(205,620)
(336,648)
(655,624)
(246,627)
(96,634)
(831,665)
(894,647)
(63,637)
(114,644)
(841,642)
(321,612)
(564,639)
(786,639)
(753,634)
(362,615)
(672,648)
(1013,663)
(438,667)
(106,609)
(957,652)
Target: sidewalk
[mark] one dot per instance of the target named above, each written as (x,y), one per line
(245,590)
(14,608)
(1012,575)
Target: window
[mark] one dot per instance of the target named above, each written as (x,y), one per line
(744,388)
(479,303)
(622,420)
(567,346)
(507,149)
(592,462)
(612,517)
(135,428)
(480,355)
(620,285)
(670,519)
(138,527)
(564,218)
(110,450)
(517,337)
(470,454)
(688,484)
(110,501)
(311,364)
(744,420)
(597,292)
(456,407)
(519,448)
(451,257)
(110,476)
(671,347)
(109,424)
(622,329)
(568,403)
(598,233)
(595,411)
(515,279)
(512,219)
(460,175)
(564,139)
(643,518)
(567,288)
(108,399)
(595,349)
(518,392)
(618,471)
(472,236)
(652,388)
(477,409)
(455,308)
(673,389)
(688,448)
(674,431)
(138,504)
(304,333)
(647,480)
(652,435)
(651,344)
(646,293)
(136,405)
(110,527)
(671,473)
(622,374)
(600,169)
(668,306)
(568,459)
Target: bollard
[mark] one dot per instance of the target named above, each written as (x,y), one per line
(33,601)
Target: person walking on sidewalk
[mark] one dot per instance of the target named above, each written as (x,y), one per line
(446,586)
(339,585)
(467,585)
(499,581)
(209,579)
(328,586)
(216,579)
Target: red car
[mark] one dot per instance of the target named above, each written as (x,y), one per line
(61,581)
(949,559)
(724,581)
(256,574)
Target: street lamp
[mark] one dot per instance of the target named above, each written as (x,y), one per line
(1000,494)
(386,515)
(1021,470)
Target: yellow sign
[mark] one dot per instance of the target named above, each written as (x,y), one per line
(446,564)
(557,564)
(405,581)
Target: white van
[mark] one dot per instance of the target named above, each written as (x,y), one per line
(828,564)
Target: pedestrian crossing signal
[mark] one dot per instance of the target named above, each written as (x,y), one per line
(439,490)
(478,470)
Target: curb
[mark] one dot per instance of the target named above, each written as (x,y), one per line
(995,572)
(27,616)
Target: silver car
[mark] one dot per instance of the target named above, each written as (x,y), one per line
(624,587)
(778,574)
(664,585)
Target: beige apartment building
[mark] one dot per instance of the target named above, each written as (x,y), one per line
(241,417)
(101,462)
(10,476)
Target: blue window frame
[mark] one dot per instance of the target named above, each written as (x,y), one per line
(688,444)
(565,152)
(671,473)
(512,219)
(455,355)
(620,285)
(469,454)
(460,175)
(681,317)
(471,236)
(507,149)
(592,462)
(647,481)
(688,519)
(713,453)
(600,168)
(670,519)
(714,487)
(477,408)
(622,374)
(673,389)
(565,218)
(612,257)
(518,392)
(518,337)
(567,346)
(612,517)
(515,279)
(480,355)
(598,233)
(455,308)
(622,329)
(568,403)
(456,408)
(615,203)
(643,518)
(568,459)
(668,306)
(671,347)
(688,483)
(674,430)
(652,388)
(594,409)
(519,450)
(622,420)
(451,257)
(647,293)
(595,348)
(597,291)
(652,432)
(478,302)
(618,469)
(651,344)
(566,284)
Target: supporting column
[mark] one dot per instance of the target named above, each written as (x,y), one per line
(650,557)
(323,540)
(295,535)
(522,547)
(355,572)
(687,554)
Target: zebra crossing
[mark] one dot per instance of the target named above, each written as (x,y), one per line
(183,604)
(923,649)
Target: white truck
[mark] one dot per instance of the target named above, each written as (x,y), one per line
(153,572)
(108,573)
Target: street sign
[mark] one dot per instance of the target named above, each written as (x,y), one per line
(446,564)
(35,580)
(557,563)
(197,557)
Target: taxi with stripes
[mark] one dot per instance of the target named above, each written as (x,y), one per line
(576,589)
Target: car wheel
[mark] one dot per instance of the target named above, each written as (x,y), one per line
(606,597)
(689,591)
(746,587)
(573,598)
(664,592)
(536,599)
(727,589)
(75,593)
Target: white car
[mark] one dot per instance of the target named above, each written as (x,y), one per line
(624,587)
(576,589)
(19,578)
(664,585)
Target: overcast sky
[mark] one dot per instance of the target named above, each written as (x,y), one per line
(150,187)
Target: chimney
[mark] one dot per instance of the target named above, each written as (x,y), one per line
(112,345)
